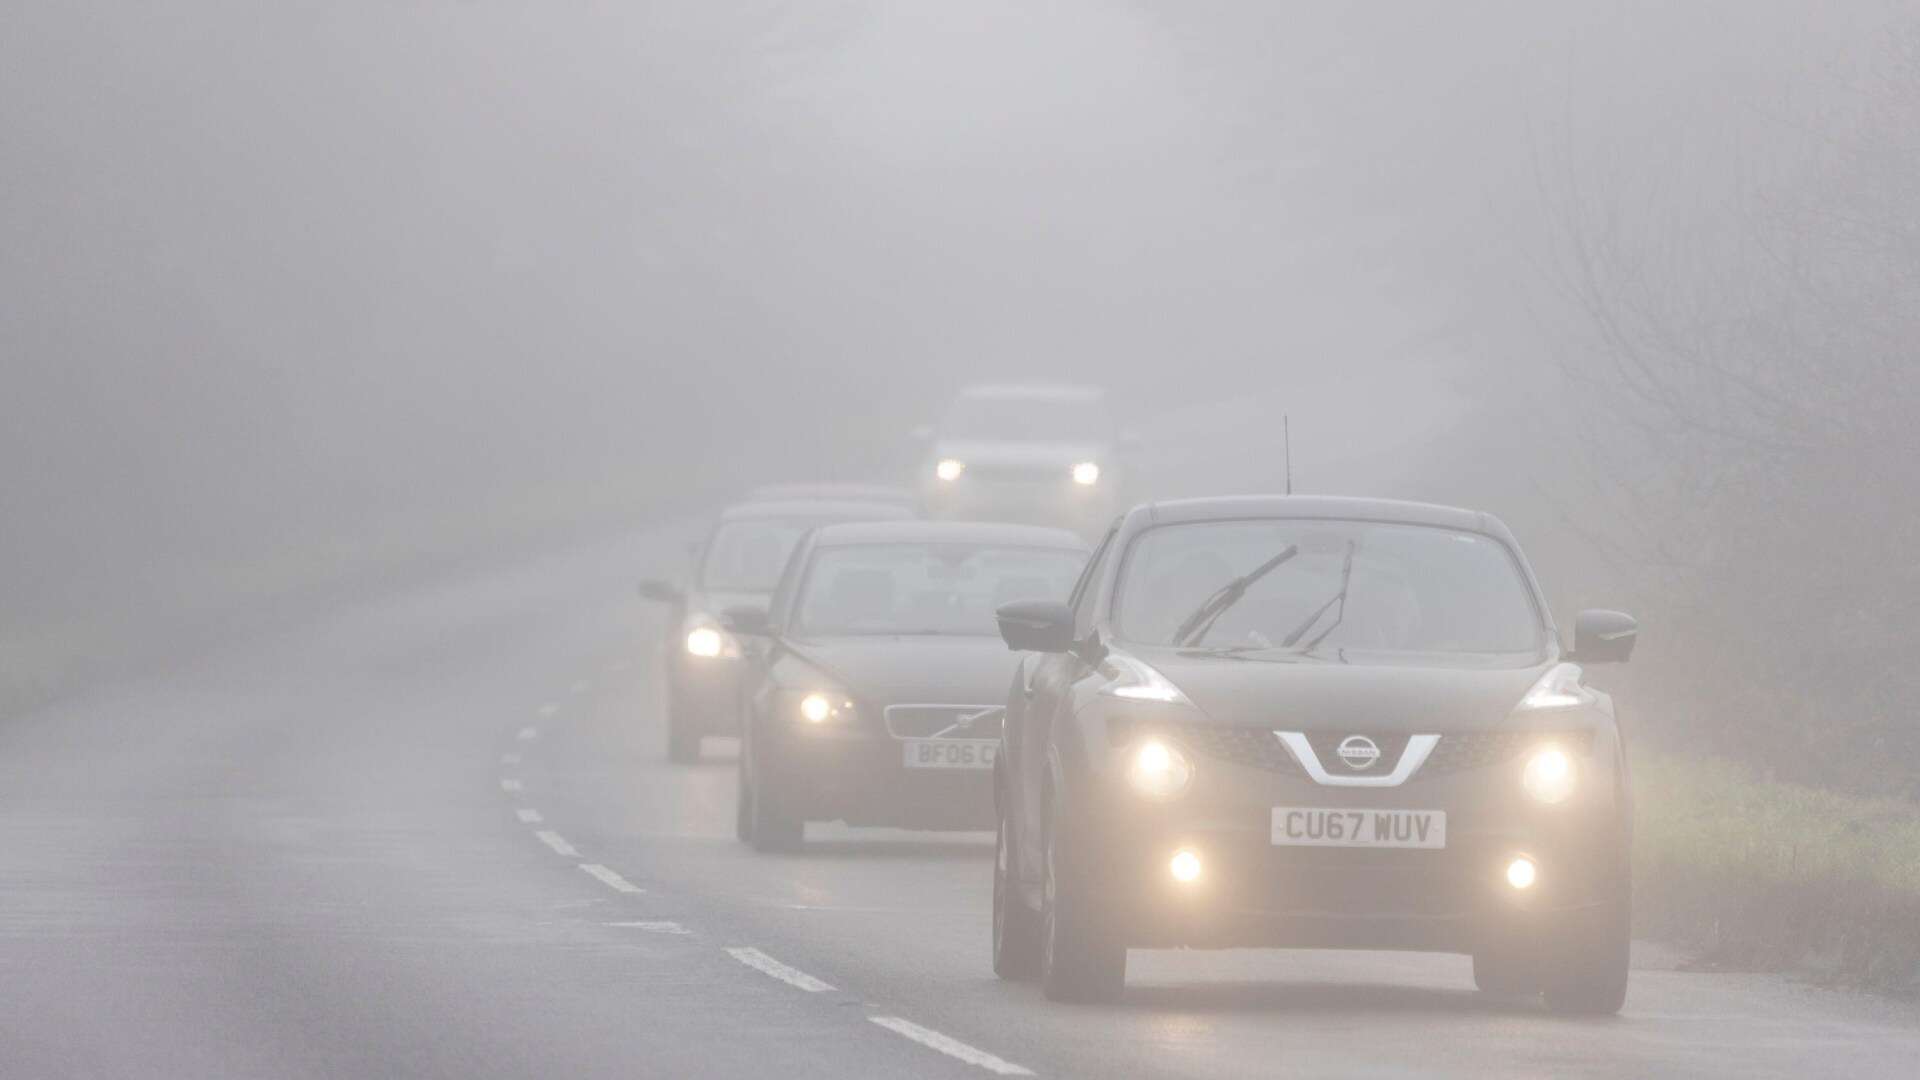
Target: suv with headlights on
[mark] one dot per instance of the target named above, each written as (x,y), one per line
(1316,723)
(736,567)
(1030,453)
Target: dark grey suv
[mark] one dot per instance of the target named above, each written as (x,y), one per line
(1317,723)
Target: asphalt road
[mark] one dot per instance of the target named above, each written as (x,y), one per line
(434,834)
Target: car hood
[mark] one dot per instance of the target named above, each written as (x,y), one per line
(1377,695)
(1063,454)
(918,670)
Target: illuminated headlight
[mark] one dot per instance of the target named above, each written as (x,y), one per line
(1159,770)
(1086,474)
(1184,866)
(949,469)
(1521,873)
(705,641)
(1548,776)
(820,707)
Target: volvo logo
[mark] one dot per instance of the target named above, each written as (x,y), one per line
(1359,752)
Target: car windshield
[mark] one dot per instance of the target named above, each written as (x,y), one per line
(1346,586)
(748,556)
(1028,419)
(926,588)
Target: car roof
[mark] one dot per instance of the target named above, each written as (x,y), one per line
(1035,391)
(954,532)
(816,508)
(1351,508)
(836,492)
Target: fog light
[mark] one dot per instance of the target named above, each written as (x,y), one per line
(1086,474)
(704,641)
(949,469)
(815,708)
(1521,872)
(1185,866)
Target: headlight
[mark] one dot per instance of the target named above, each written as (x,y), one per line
(706,641)
(1137,680)
(1159,770)
(1549,775)
(949,469)
(1559,688)
(817,707)
(1086,474)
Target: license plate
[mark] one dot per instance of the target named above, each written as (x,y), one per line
(950,753)
(1299,826)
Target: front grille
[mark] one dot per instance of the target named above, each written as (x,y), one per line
(1260,748)
(945,721)
(1017,474)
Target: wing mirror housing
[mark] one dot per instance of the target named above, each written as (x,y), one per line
(1036,626)
(1604,637)
(746,621)
(660,592)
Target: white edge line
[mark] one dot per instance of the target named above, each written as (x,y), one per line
(549,709)
(529,817)
(950,1046)
(510,784)
(529,733)
(610,879)
(767,965)
(655,927)
(557,842)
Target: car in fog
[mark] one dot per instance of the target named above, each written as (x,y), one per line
(1034,453)
(876,680)
(736,566)
(1317,723)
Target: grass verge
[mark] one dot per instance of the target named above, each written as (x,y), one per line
(1762,875)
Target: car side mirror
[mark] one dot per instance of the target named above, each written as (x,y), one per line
(1603,637)
(660,592)
(746,621)
(1036,626)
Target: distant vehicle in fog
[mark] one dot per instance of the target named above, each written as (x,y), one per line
(880,493)
(1031,453)
(1312,722)
(736,567)
(875,682)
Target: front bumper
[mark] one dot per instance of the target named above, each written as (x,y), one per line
(860,777)
(1252,892)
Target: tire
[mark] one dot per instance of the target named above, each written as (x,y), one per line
(683,733)
(1504,971)
(1589,976)
(767,824)
(1080,960)
(1016,927)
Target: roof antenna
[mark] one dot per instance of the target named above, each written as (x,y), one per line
(1286,441)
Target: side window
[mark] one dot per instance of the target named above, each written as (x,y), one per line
(1083,590)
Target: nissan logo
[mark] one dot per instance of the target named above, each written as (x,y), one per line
(1359,752)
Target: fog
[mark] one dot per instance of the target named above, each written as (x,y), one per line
(293,291)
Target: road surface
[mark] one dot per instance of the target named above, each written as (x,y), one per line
(434,834)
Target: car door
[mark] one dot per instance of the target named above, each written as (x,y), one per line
(1046,688)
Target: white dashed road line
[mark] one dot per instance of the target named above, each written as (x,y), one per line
(510,785)
(557,842)
(951,1046)
(528,734)
(509,759)
(581,687)
(610,879)
(767,965)
(529,817)
(658,927)
(549,709)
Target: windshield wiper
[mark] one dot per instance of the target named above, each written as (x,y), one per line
(1346,578)
(1195,626)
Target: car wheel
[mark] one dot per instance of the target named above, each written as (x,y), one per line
(1589,976)
(1079,958)
(768,826)
(683,733)
(1504,970)
(1016,928)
